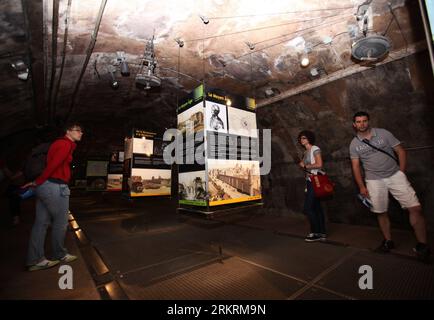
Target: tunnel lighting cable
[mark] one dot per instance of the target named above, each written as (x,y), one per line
(89,51)
(65,40)
(280,13)
(261,28)
(297,33)
(301,30)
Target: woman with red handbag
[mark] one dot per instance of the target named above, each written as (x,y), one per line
(312,163)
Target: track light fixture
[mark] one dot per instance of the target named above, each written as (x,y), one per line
(179,42)
(125,70)
(114,84)
(250,45)
(21,69)
(205,20)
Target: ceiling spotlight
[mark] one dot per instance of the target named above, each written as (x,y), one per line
(205,20)
(314,72)
(125,70)
(114,84)
(304,61)
(251,45)
(271,92)
(179,42)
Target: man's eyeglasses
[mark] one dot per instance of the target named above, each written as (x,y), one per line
(303,138)
(79,130)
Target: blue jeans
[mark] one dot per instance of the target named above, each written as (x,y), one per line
(52,206)
(313,211)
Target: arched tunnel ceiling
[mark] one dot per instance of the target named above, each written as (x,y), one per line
(218,52)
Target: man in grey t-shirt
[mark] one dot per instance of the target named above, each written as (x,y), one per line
(374,148)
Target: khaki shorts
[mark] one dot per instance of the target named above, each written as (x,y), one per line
(398,186)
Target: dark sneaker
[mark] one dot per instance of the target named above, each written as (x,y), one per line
(386,246)
(311,237)
(423,252)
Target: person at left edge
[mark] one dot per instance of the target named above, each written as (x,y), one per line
(52,202)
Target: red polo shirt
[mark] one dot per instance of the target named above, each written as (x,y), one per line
(59,159)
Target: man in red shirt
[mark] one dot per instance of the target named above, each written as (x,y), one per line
(52,202)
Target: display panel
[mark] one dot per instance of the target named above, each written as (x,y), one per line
(232,181)
(149,182)
(192,188)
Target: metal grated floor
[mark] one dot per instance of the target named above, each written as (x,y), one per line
(230,279)
(393,278)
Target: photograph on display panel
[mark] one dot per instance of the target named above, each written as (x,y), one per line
(143,146)
(242,123)
(233,181)
(114,182)
(216,118)
(96,168)
(192,188)
(150,182)
(191,119)
(96,183)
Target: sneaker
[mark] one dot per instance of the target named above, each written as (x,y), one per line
(44,264)
(68,258)
(311,237)
(422,252)
(323,236)
(386,246)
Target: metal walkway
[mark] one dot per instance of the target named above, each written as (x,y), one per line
(145,250)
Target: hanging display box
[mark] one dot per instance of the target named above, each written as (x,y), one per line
(219,163)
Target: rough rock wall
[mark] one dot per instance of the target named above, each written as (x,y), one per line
(399,97)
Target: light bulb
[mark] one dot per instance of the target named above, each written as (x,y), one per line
(305,61)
